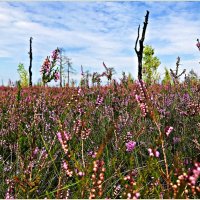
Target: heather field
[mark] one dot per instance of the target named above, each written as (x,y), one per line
(123,140)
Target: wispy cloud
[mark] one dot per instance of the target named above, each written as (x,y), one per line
(95,32)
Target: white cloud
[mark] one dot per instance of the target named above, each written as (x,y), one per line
(98,31)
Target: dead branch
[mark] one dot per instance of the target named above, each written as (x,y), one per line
(141,45)
(175,75)
(30,66)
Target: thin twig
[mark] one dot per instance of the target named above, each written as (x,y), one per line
(83,154)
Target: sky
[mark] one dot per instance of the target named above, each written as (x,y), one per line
(95,32)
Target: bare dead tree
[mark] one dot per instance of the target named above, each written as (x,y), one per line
(141,45)
(61,66)
(175,75)
(69,67)
(65,67)
(96,78)
(108,73)
(85,78)
(198,44)
(31,59)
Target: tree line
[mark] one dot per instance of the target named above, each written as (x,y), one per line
(55,65)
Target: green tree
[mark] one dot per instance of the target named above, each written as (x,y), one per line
(65,68)
(191,77)
(49,69)
(130,78)
(23,75)
(167,78)
(150,66)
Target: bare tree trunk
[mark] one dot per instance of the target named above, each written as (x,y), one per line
(175,75)
(141,41)
(68,73)
(61,68)
(30,66)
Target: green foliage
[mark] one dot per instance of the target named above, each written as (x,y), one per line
(23,75)
(167,78)
(191,77)
(150,66)
(73,142)
(49,68)
(19,88)
(130,78)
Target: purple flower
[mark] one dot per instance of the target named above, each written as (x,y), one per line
(35,151)
(130,146)
(168,130)
(176,140)
(59,135)
(56,76)
(150,152)
(46,66)
(153,153)
(55,54)
(157,154)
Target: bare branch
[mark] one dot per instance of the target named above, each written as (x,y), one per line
(136,43)
(182,73)
(177,65)
(30,66)
(175,75)
(141,47)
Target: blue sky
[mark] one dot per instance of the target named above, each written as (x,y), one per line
(93,32)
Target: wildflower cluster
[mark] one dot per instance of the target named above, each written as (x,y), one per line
(141,98)
(97,179)
(99,101)
(187,183)
(10,190)
(131,191)
(153,153)
(63,138)
(130,146)
(48,70)
(55,143)
(168,130)
(66,169)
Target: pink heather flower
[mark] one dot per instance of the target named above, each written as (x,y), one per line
(150,152)
(137,195)
(168,130)
(35,151)
(94,155)
(153,153)
(65,165)
(143,108)
(81,173)
(176,140)
(46,66)
(130,146)
(59,135)
(54,55)
(138,98)
(195,174)
(56,76)
(67,136)
(66,168)
(157,154)
(79,91)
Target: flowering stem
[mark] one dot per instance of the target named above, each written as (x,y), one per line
(83,155)
(155,120)
(164,154)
